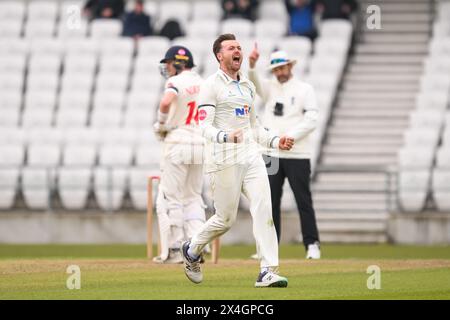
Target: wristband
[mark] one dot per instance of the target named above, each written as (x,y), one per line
(162,117)
(225,137)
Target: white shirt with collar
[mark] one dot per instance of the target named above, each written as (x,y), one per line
(296,114)
(226,105)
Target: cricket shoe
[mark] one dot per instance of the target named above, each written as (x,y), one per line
(313,251)
(173,258)
(271,279)
(191,267)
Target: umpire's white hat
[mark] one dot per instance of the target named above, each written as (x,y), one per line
(280,58)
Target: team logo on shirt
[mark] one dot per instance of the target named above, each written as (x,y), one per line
(242,112)
(202,114)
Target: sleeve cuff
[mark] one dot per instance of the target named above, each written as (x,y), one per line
(275,142)
(220,136)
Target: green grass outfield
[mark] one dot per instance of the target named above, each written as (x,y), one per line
(122,272)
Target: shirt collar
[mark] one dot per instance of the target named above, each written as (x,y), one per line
(228,79)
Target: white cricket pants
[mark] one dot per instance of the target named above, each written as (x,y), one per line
(227,185)
(180,196)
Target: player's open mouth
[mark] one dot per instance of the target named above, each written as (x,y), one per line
(236,58)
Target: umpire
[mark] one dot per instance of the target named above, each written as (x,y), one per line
(290,108)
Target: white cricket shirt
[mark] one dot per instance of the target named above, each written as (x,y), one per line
(224,106)
(296,114)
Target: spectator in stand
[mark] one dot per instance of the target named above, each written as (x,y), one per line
(240,9)
(136,23)
(336,9)
(107,9)
(301,13)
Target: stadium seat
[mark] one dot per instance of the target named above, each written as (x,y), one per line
(11,159)
(11,46)
(70,29)
(44,136)
(413,189)
(42,10)
(71,117)
(441,188)
(433,82)
(37,117)
(12,63)
(74,187)
(37,184)
(119,136)
(108,100)
(139,118)
(11,155)
(10,115)
(40,99)
(443,158)
(69,24)
(11,82)
(82,46)
(432,100)
(10,29)
(178,10)
(115,64)
(53,47)
(270,28)
(153,46)
(43,81)
(336,28)
(109,187)
(415,157)
(147,83)
(204,10)
(82,66)
(10,135)
(39,29)
(422,136)
(432,119)
(44,63)
(138,186)
(9,181)
(325,46)
(12,10)
(437,65)
(121,47)
(203,29)
(137,99)
(148,66)
(148,154)
(112,155)
(43,155)
(79,155)
(77,98)
(296,47)
(273,10)
(87,136)
(106,118)
(241,28)
(75,84)
(112,82)
(105,28)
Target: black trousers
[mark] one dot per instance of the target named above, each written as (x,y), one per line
(298,173)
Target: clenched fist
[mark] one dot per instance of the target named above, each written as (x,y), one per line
(286,143)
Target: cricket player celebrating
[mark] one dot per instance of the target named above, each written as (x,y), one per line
(229,123)
(180,208)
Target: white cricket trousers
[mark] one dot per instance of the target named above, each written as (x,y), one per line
(179,206)
(227,185)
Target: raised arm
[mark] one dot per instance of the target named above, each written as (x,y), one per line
(262,85)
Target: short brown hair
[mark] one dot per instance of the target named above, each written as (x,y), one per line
(218,43)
